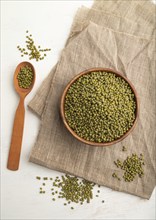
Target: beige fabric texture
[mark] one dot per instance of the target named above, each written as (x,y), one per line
(143,28)
(96,45)
(141,11)
(115,22)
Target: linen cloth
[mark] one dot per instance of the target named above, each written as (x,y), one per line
(94,41)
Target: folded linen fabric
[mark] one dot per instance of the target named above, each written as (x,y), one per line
(143,28)
(55,148)
(139,11)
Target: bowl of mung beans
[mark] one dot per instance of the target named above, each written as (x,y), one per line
(99,107)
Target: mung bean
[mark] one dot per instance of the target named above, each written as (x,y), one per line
(132,166)
(32,50)
(71,188)
(100,107)
(25,77)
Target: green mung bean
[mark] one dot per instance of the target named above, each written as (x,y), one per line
(116,176)
(38,178)
(124,148)
(100,107)
(45,178)
(71,188)
(132,166)
(25,77)
(32,50)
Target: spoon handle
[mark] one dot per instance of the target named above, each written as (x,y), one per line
(16,140)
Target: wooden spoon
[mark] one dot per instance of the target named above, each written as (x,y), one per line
(17,133)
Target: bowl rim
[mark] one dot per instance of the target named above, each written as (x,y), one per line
(87,71)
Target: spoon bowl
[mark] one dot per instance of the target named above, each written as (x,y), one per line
(21,91)
(17,133)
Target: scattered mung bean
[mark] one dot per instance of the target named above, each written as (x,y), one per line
(116,176)
(32,50)
(38,178)
(132,167)
(72,189)
(124,148)
(45,178)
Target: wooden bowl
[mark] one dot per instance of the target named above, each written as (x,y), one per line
(63,112)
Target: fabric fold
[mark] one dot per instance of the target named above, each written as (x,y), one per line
(55,147)
(103,36)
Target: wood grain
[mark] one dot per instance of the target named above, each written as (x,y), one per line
(16,140)
(18,126)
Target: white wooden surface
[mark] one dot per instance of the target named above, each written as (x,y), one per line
(49,22)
